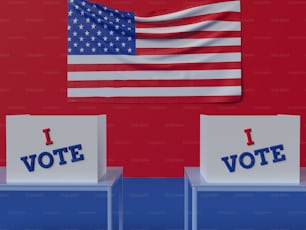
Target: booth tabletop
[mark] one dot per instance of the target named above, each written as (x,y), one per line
(197,181)
(108,180)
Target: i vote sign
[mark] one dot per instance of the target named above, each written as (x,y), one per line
(55,149)
(250,149)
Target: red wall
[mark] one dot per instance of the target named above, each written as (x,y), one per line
(151,140)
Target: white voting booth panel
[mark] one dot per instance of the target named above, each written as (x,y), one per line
(250,149)
(55,149)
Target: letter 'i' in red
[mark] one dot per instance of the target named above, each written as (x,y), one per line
(249,137)
(47,135)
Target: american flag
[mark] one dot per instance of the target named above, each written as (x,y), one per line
(191,55)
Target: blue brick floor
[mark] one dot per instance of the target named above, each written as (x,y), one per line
(153,204)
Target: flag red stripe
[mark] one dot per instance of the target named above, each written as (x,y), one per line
(176,99)
(223,16)
(154,83)
(131,67)
(193,50)
(198,34)
(176,7)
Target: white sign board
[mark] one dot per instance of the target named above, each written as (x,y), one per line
(55,149)
(250,149)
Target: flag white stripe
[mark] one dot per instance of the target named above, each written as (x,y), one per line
(154,75)
(232,6)
(154,91)
(182,43)
(213,25)
(155,59)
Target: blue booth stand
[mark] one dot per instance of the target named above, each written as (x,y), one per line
(113,177)
(195,183)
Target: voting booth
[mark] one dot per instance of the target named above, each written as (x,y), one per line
(250,149)
(55,149)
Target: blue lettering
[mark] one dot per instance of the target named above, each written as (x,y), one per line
(60,154)
(46,159)
(42,163)
(231,167)
(262,155)
(242,162)
(276,154)
(30,166)
(76,156)
(247,159)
